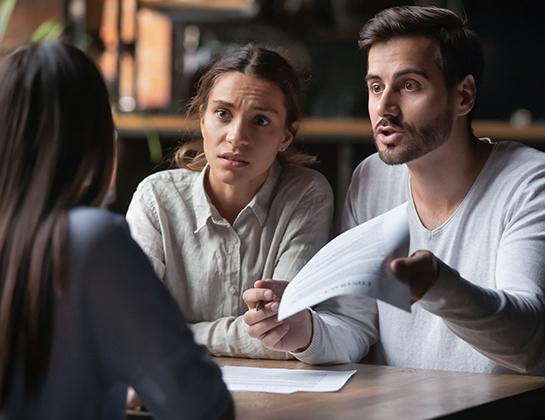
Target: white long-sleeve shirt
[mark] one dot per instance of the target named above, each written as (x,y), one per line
(208,263)
(486,312)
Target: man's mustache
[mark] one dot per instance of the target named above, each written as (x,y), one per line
(393,122)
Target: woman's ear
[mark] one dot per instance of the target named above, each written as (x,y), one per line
(202,111)
(291,131)
(466,95)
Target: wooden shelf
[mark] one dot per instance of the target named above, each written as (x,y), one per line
(503,130)
(164,124)
(354,130)
(199,10)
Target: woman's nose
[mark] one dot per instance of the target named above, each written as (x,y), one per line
(236,134)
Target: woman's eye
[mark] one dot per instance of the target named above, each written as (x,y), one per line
(262,121)
(222,114)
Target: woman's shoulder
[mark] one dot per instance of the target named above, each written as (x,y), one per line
(165,180)
(100,245)
(99,218)
(165,187)
(295,176)
(90,227)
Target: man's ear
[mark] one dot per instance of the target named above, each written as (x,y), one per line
(466,95)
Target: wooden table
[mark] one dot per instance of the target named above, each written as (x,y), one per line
(382,392)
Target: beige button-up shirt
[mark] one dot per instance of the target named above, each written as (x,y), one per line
(207,263)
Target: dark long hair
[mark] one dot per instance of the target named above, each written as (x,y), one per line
(264,64)
(56,152)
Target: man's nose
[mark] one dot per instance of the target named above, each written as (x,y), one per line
(387,104)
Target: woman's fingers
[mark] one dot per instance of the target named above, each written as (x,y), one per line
(254,316)
(261,327)
(253,296)
(277,286)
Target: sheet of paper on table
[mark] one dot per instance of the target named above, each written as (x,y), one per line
(283,381)
(354,263)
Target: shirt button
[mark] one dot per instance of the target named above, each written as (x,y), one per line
(233,290)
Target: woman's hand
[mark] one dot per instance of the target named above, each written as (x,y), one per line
(291,334)
(133,402)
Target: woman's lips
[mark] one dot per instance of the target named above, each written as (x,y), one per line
(233,161)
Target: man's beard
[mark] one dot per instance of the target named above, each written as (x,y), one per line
(418,141)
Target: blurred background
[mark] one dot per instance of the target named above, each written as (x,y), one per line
(152,52)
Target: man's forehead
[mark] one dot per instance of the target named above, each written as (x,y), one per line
(407,42)
(401,54)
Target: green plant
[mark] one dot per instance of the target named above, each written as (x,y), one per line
(154,145)
(6,9)
(50,29)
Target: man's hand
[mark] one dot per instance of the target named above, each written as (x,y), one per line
(294,333)
(418,270)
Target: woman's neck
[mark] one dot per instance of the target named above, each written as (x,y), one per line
(230,199)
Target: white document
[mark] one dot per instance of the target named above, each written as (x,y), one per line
(354,263)
(283,381)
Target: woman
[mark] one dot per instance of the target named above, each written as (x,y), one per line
(82,314)
(240,207)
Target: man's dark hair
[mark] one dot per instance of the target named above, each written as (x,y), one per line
(461,52)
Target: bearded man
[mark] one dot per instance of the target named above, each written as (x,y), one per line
(476,215)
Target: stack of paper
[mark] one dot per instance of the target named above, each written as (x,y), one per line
(283,381)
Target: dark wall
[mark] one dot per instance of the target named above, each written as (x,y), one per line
(321,40)
(513,37)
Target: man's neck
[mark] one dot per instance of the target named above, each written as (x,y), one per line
(441,179)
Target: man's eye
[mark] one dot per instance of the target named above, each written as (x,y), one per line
(410,86)
(262,121)
(375,88)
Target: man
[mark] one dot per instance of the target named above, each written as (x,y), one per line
(476,215)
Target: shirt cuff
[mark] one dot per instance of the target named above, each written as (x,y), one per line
(437,297)
(315,347)
(454,297)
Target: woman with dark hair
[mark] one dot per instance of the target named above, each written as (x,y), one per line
(82,315)
(240,207)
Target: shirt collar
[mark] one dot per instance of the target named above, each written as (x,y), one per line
(261,202)
(203,207)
